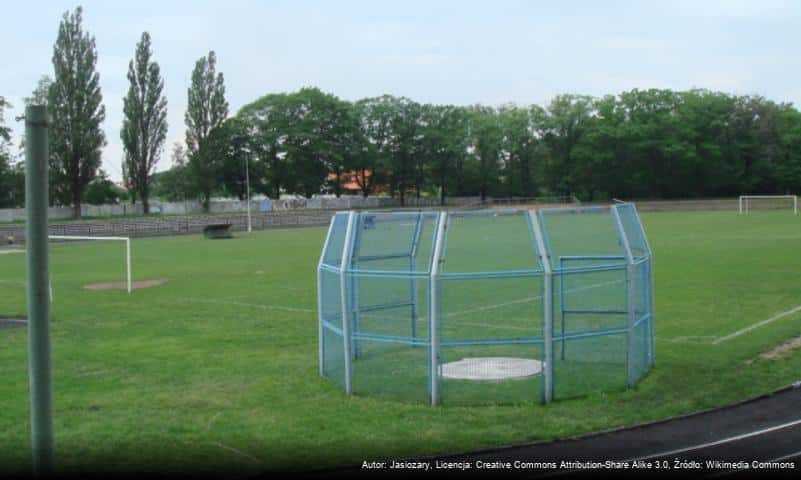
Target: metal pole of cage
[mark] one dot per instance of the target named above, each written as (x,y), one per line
(347,252)
(353,286)
(412,262)
(547,308)
(562,306)
(631,343)
(320,331)
(649,283)
(434,305)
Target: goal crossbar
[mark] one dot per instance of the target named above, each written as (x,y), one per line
(127,241)
(744,204)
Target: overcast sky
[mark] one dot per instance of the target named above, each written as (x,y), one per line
(459,52)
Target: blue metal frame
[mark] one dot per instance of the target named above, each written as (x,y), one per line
(377,337)
(384,306)
(562,271)
(352,285)
(372,258)
(488,213)
(637,270)
(499,274)
(492,341)
(412,267)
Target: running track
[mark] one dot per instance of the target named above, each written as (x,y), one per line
(764,429)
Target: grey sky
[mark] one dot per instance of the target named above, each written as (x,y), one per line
(459,52)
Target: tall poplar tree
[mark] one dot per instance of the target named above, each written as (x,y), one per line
(206,110)
(144,126)
(76,111)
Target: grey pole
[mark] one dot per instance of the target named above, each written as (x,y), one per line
(347,253)
(434,306)
(36,153)
(247,182)
(547,306)
(631,317)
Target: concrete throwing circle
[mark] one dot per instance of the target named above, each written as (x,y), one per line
(491,368)
(124,285)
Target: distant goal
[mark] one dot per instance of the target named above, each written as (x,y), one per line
(127,241)
(749,203)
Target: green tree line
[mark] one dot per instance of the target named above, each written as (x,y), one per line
(653,143)
(637,144)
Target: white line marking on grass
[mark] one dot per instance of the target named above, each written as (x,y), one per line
(254,305)
(515,302)
(450,314)
(216,415)
(239,452)
(6,252)
(745,330)
(492,307)
(527,299)
(698,339)
(506,304)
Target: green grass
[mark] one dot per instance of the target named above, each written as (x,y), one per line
(217,369)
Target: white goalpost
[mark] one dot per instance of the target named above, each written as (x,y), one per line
(127,241)
(774,202)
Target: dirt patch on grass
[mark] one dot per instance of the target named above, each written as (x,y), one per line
(124,285)
(779,351)
(6,322)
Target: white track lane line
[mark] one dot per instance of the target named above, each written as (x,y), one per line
(735,438)
(745,330)
(738,470)
(785,457)
(723,441)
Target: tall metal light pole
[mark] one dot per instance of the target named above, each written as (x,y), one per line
(36,153)
(247,184)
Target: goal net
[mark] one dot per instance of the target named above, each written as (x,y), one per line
(750,203)
(126,240)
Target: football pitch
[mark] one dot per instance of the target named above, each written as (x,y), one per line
(217,368)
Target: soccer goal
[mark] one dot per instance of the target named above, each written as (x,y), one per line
(768,202)
(127,241)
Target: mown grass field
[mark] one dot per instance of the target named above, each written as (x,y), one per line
(217,369)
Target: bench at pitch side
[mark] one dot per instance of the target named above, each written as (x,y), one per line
(218,230)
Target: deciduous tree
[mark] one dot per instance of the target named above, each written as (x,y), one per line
(144,126)
(206,110)
(76,112)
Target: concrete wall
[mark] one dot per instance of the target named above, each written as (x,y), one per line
(720,204)
(9,215)
(173,225)
(236,206)
(322,203)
